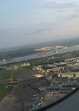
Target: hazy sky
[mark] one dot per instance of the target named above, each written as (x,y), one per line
(32,21)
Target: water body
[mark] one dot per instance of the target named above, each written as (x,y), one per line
(34,56)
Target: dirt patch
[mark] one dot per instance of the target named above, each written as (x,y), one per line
(22,97)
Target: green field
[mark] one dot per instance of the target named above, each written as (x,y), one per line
(4,91)
(6,73)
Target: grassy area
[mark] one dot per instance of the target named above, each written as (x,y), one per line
(24,70)
(6,73)
(4,91)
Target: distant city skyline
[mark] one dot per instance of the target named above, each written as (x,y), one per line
(32,21)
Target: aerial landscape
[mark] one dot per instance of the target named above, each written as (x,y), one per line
(33,83)
(39,55)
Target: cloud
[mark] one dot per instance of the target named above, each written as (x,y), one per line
(42,20)
(60,1)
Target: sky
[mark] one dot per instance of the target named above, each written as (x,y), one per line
(24,22)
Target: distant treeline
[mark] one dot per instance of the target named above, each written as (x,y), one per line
(30,49)
(17,53)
